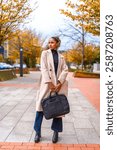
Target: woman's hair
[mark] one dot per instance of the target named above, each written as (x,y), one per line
(57,39)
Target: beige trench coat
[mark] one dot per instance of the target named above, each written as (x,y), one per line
(48,75)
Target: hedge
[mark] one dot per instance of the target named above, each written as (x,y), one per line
(83,74)
(25,71)
(7,74)
(34,69)
(72,70)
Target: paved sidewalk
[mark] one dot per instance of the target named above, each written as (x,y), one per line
(89,87)
(17,113)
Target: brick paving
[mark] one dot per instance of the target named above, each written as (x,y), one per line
(90,88)
(47,146)
(17,112)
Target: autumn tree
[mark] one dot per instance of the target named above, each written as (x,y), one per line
(12,14)
(73,56)
(85,21)
(31,44)
(1,58)
(85,13)
(92,55)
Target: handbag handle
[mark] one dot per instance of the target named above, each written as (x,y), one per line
(52,92)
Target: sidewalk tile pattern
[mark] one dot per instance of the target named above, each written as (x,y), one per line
(17,114)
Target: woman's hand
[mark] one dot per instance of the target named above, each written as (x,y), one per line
(58,87)
(51,86)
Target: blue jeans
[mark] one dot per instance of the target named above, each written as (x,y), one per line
(57,124)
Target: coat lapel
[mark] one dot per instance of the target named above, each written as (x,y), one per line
(51,61)
(59,64)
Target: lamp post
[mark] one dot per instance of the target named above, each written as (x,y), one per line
(21,62)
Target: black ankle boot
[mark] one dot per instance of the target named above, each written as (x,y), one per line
(55,137)
(37,138)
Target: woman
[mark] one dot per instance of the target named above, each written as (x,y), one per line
(54,72)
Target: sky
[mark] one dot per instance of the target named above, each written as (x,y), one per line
(47,19)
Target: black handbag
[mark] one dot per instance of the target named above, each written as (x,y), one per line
(55,105)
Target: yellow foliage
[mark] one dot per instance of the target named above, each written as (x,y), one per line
(86,13)
(1,58)
(12,13)
(73,56)
(29,41)
(92,54)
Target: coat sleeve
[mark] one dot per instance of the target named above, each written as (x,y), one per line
(64,72)
(44,67)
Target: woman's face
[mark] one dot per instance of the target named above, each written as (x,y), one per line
(52,44)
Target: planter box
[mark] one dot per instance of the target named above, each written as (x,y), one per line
(82,74)
(34,69)
(25,71)
(7,74)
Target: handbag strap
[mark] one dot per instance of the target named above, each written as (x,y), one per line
(52,92)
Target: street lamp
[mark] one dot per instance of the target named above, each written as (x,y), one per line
(21,62)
